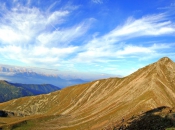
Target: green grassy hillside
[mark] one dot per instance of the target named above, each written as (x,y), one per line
(10,91)
(37,88)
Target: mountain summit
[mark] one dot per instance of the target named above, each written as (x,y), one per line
(168,63)
(165,60)
(98,104)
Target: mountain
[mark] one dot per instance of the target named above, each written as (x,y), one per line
(34,76)
(9,91)
(160,118)
(37,88)
(96,105)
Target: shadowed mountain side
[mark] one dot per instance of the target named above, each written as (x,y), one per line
(157,119)
(96,105)
(9,91)
(37,88)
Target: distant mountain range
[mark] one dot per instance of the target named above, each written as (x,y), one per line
(146,96)
(9,91)
(31,76)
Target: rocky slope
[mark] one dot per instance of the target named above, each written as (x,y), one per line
(161,118)
(98,104)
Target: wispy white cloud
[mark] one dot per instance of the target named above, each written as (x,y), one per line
(52,6)
(57,17)
(36,55)
(134,50)
(152,25)
(97,1)
(64,36)
(23,22)
(110,45)
(28,2)
(32,36)
(169,7)
(50,38)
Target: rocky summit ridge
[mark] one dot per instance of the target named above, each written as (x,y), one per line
(99,104)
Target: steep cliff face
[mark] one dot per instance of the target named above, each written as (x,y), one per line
(97,104)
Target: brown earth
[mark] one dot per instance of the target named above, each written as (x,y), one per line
(98,104)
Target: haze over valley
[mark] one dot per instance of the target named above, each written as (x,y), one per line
(36,76)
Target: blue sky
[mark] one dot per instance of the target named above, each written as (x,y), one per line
(86,37)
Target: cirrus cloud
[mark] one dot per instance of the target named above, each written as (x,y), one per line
(110,45)
(55,36)
(32,36)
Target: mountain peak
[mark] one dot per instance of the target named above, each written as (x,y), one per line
(165,60)
(165,66)
(117,99)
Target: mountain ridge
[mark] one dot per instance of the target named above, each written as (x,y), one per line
(9,91)
(35,76)
(97,104)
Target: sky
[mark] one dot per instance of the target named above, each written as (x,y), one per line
(86,37)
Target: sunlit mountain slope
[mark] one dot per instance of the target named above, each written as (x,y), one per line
(96,105)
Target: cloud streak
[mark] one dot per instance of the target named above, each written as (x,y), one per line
(50,37)
(32,36)
(97,1)
(111,44)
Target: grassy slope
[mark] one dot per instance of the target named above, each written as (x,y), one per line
(98,104)
(156,119)
(9,91)
(37,88)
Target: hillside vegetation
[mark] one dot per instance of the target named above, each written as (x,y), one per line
(9,91)
(96,105)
